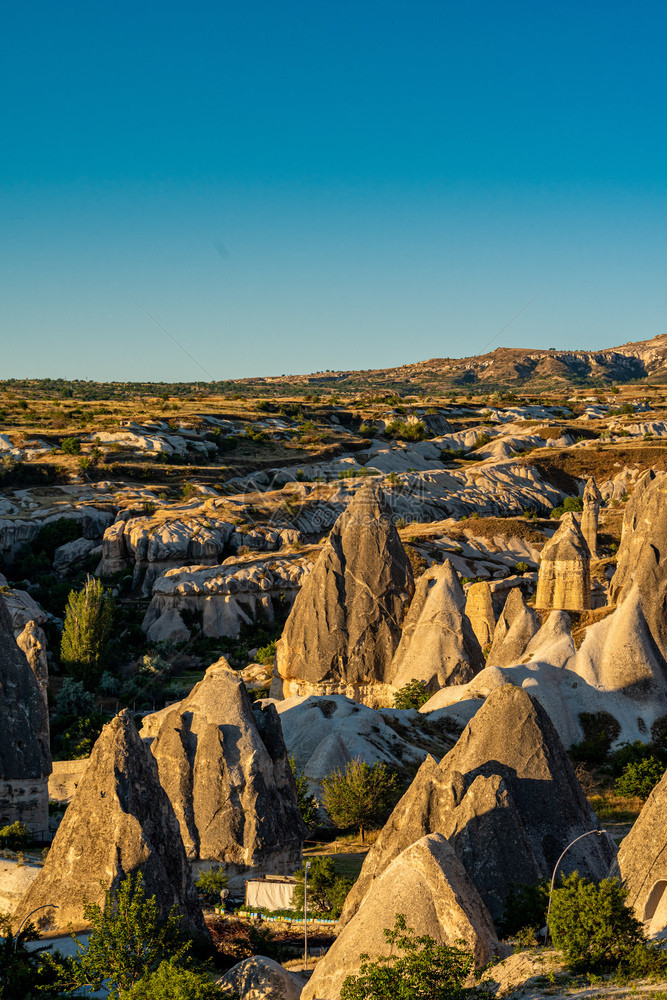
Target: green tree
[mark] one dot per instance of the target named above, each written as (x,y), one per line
(21,971)
(87,630)
(592,925)
(360,795)
(173,982)
(305,799)
(15,836)
(416,967)
(413,695)
(639,778)
(209,883)
(127,944)
(326,890)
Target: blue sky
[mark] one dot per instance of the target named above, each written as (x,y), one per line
(290,187)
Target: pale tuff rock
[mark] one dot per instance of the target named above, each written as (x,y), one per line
(32,641)
(260,978)
(479,609)
(119,822)
(224,767)
(345,624)
(564,582)
(438,645)
(25,757)
(507,781)
(515,628)
(430,886)
(642,863)
(590,516)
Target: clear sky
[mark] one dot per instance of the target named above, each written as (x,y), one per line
(298,186)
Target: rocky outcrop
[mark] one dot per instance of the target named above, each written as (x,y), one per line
(591,516)
(564,582)
(25,757)
(260,978)
(642,863)
(345,624)
(479,609)
(225,769)
(438,645)
(119,822)
(515,627)
(427,884)
(507,781)
(32,641)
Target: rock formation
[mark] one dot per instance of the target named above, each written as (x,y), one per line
(25,757)
(642,863)
(427,884)
(438,645)
(564,582)
(260,978)
(507,781)
(590,516)
(479,609)
(345,624)
(119,822)
(33,643)
(515,628)
(225,769)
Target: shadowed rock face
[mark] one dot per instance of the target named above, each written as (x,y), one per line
(590,516)
(438,645)
(565,570)
(25,757)
(120,821)
(642,863)
(345,624)
(505,797)
(515,628)
(225,769)
(429,885)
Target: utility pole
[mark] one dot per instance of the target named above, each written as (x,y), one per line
(305,916)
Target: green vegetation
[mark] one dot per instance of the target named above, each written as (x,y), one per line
(416,967)
(210,883)
(306,801)
(405,432)
(359,795)
(600,731)
(87,630)
(413,695)
(266,654)
(326,890)
(639,778)
(569,504)
(15,836)
(71,445)
(525,907)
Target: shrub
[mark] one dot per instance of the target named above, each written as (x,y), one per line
(415,967)
(71,445)
(209,883)
(569,504)
(592,925)
(73,699)
(413,695)
(639,778)
(600,731)
(305,799)
(481,440)
(15,836)
(266,654)
(525,906)
(326,890)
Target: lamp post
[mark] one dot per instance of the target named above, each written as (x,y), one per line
(47,906)
(589,833)
(305,916)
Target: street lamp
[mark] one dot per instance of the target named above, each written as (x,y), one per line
(589,833)
(47,906)
(305,915)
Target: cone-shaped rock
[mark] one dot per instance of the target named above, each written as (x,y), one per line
(642,863)
(591,516)
(25,757)
(515,628)
(564,582)
(479,609)
(119,822)
(345,624)
(225,769)
(430,886)
(438,645)
(32,641)
(506,798)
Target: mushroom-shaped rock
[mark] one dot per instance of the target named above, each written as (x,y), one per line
(120,822)
(428,884)
(438,645)
(564,582)
(479,609)
(515,628)
(260,978)
(642,863)
(591,516)
(225,769)
(345,623)
(25,758)
(505,797)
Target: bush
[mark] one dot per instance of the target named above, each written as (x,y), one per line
(569,504)
(326,890)
(209,883)
(15,836)
(481,440)
(600,731)
(73,699)
(71,445)
(266,654)
(413,695)
(525,906)
(592,925)
(415,967)
(639,778)
(306,801)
